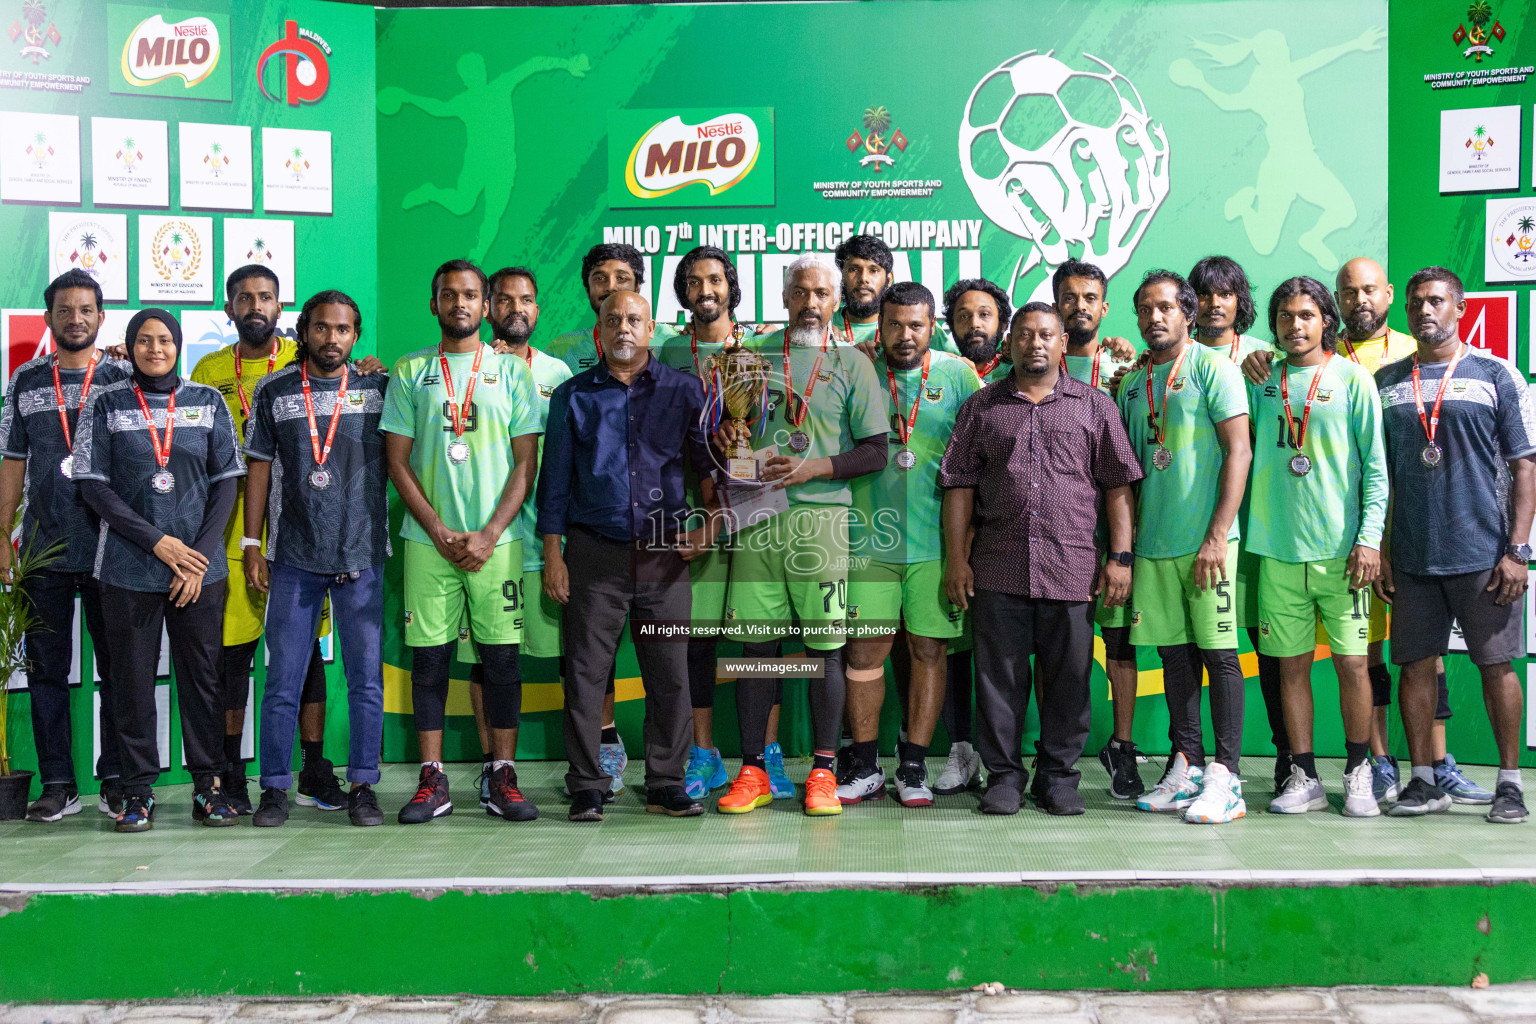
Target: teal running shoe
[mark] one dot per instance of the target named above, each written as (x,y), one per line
(778,779)
(706,772)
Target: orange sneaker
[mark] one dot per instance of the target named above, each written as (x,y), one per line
(821,793)
(749,792)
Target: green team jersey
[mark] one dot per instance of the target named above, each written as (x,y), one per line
(578,349)
(548,374)
(941,341)
(506,405)
(898,516)
(1174,505)
(845,404)
(1342,501)
(1081,368)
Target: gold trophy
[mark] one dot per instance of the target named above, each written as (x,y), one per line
(740,377)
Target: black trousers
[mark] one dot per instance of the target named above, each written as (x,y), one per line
(50,652)
(1059,634)
(610,582)
(133,624)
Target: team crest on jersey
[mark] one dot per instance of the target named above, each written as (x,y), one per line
(1263,628)
(192,415)
(463,633)
(730,614)
(1178,385)
(1325,395)
(933,394)
(1459,386)
(546,390)
(409,615)
(490,378)
(356,398)
(824,376)
(1135,618)
(853,611)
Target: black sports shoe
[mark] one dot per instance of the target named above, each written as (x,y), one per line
(273,810)
(431,799)
(1508,804)
(586,805)
(1001,798)
(363,807)
(672,801)
(1059,798)
(1120,761)
(237,790)
(210,807)
(110,800)
(319,787)
(1418,798)
(506,800)
(138,814)
(57,800)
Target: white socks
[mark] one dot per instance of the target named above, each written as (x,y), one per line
(1512,775)
(497,765)
(1425,772)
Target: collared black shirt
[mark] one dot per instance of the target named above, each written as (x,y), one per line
(614,453)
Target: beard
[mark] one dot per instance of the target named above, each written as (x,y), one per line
(1163,344)
(456,332)
(1209,331)
(979,346)
(911,362)
(807,336)
(255,333)
(514,331)
(328,360)
(859,310)
(1079,336)
(65,343)
(1363,323)
(706,315)
(1435,335)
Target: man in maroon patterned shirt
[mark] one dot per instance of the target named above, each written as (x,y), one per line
(1030,460)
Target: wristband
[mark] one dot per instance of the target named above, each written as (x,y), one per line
(249,542)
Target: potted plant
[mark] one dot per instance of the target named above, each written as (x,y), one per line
(16,617)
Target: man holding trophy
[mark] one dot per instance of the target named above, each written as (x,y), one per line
(821,422)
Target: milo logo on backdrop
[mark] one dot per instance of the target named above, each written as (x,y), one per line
(691,157)
(169,53)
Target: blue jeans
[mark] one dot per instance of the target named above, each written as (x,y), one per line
(293,615)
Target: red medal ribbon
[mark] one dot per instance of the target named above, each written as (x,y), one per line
(245,403)
(1237,340)
(983,371)
(597,344)
(848,329)
(1292,430)
(161,456)
(469,392)
(58,393)
(904,431)
(1433,421)
(797,417)
(1097,355)
(321,454)
(1157,430)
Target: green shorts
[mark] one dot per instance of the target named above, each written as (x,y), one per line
(1111,618)
(438,595)
(1166,609)
(791,567)
(541,623)
(882,596)
(1296,597)
(708,576)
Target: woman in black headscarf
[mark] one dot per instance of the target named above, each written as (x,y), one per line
(157,458)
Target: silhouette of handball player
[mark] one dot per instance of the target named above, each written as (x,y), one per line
(490,151)
(1292,167)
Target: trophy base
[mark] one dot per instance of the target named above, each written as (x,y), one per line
(741,468)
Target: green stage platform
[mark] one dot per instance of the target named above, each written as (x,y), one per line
(773,901)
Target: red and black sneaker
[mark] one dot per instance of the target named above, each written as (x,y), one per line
(431,799)
(506,799)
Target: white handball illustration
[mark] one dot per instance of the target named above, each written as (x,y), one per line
(1066,159)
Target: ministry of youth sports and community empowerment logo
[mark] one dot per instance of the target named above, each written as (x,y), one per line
(1066,159)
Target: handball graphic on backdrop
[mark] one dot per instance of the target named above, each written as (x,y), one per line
(1132,135)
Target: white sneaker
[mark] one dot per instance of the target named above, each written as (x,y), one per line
(1220,800)
(960,771)
(912,785)
(1177,790)
(1359,796)
(860,783)
(1300,794)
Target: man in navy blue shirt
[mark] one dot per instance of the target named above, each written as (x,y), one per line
(611,487)
(1460,428)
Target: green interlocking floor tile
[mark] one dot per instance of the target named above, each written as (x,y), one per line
(876,837)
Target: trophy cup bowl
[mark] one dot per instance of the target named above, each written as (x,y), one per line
(743,378)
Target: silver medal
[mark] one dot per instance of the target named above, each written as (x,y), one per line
(458,452)
(67,467)
(1162,458)
(799,441)
(906,458)
(1301,465)
(320,479)
(163,482)
(1432,455)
